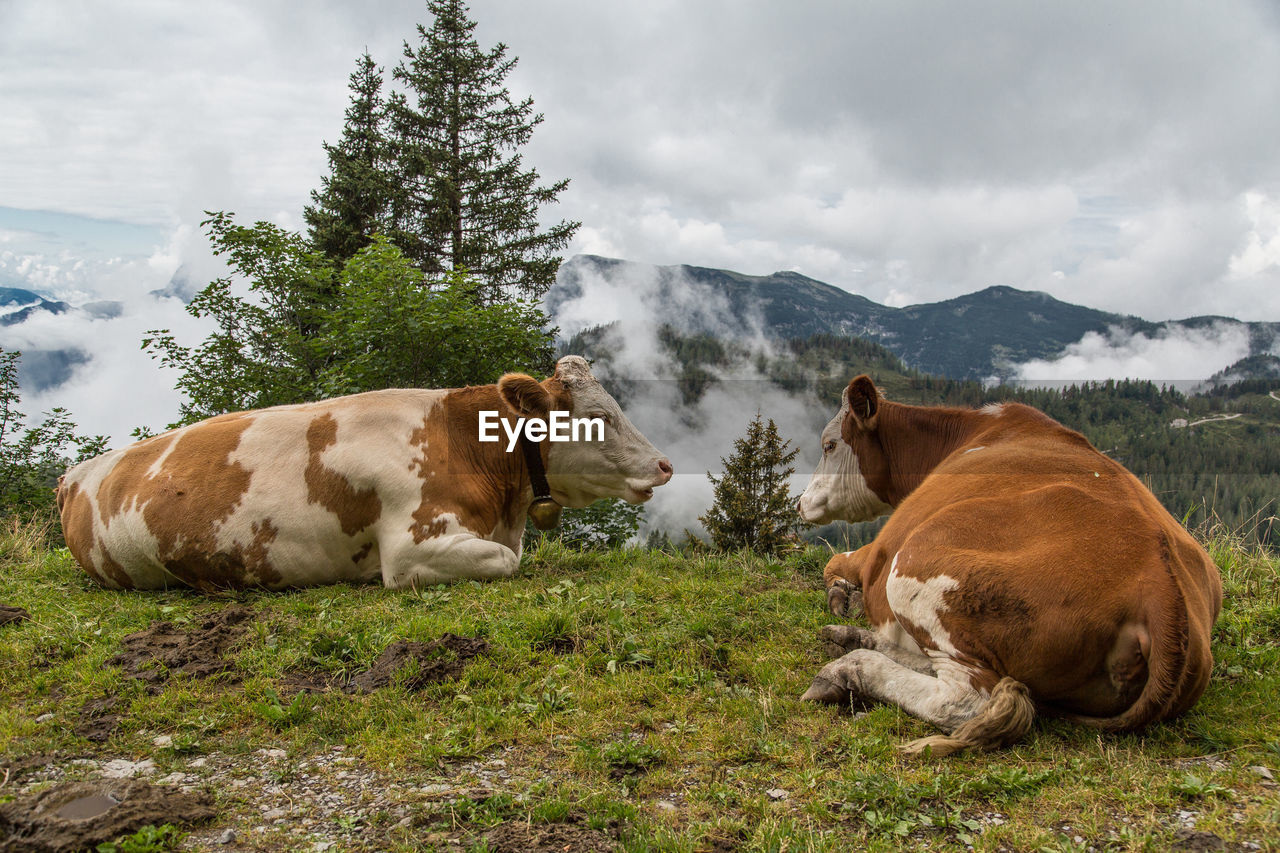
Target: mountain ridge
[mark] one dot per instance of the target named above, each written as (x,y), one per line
(980,335)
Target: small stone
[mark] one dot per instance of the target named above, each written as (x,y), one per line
(322,846)
(121,768)
(273,753)
(44,718)
(405,822)
(777,793)
(198,762)
(227,837)
(1264,772)
(162,741)
(273,814)
(666,805)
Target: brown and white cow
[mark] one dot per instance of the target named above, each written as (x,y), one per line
(1020,571)
(391,484)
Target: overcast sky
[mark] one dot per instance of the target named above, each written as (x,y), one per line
(1118,155)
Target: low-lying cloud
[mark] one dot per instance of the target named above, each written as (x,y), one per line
(636,303)
(1174,355)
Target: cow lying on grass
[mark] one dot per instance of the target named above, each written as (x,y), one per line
(392,484)
(1020,571)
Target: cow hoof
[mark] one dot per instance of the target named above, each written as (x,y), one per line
(824,691)
(843,597)
(839,640)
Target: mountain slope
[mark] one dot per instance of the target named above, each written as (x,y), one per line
(975,336)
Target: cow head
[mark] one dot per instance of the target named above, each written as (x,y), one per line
(623,464)
(838,489)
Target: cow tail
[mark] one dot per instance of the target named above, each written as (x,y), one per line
(1005,718)
(61,491)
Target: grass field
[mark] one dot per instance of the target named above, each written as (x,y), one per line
(630,699)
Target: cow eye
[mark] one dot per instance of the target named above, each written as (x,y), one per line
(829,445)
(602,416)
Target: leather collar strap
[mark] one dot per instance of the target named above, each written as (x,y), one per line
(537,474)
(544,511)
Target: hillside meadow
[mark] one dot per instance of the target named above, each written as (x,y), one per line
(627,699)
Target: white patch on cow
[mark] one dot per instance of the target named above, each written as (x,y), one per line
(921,603)
(979,447)
(994,410)
(837,490)
(158,465)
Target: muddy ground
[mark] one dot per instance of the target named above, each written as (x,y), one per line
(69,802)
(82,815)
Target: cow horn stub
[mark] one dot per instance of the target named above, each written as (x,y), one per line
(545,513)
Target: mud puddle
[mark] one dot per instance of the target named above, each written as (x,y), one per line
(154,654)
(82,815)
(410,663)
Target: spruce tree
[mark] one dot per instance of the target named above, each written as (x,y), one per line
(465,199)
(355,199)
(753,506)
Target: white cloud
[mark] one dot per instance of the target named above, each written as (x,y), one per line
(1172,355)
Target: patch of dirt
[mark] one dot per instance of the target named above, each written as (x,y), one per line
(427,663)
(12,615)
(520,837)
(1194,842)
(434,661)
(96,722)
(155,653)
(82,815)
(12,769)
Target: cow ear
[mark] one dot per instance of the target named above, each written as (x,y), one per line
(864,400)
(525,394)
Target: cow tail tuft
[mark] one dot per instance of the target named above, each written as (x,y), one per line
(1005,718)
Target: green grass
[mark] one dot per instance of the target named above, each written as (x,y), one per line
(622,683)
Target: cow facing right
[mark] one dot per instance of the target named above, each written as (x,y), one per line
(1020,572)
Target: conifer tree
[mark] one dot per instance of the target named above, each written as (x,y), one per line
(355,198)
(465,199)
(753,506)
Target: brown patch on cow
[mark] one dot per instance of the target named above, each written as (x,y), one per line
(83,815)
(479,484)
(194,491)
(355,510)
(77,527)
(569,837)
(115,573)
(362,553)
(162,649)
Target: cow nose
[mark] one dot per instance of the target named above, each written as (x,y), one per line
(664,465)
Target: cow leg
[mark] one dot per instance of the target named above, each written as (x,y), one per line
(839,640)
(445,559)
(843,579)
(946,700)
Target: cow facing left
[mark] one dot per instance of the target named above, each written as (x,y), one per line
(388,484)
